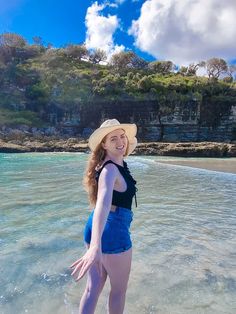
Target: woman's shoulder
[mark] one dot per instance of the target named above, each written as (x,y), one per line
(108,164)
(108,173)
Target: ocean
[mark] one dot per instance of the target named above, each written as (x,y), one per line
(184,236)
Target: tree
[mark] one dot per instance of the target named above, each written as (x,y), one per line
(228,79)
(109,85)
(38,94)
(23,75)
(162,67)
(10,44)
(127,59)
(183,70)
(191,70)
(27,52)
(97,55)
(38,41)
(231,71)
(139,63)
(216,67)
(76,51)
(12,40)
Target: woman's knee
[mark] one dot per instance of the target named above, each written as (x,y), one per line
(118,293)
(95,284)
(93,290)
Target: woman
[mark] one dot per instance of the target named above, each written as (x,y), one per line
(111,189)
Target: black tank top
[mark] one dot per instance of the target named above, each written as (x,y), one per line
(122,199)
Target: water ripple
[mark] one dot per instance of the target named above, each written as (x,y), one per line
(184,236)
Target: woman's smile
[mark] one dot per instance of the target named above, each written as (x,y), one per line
(120,147)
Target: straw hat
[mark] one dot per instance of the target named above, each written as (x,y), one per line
(111,125)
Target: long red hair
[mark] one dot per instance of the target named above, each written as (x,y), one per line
(90,183)
(95,161)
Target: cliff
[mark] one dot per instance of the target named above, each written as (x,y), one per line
(55,92)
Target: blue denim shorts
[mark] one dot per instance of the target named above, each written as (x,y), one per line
(116,234)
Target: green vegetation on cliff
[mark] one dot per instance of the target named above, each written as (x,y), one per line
(25,117)
(35,80)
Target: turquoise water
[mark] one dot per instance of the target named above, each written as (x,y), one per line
(184,236)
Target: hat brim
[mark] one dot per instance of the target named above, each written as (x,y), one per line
(98,135)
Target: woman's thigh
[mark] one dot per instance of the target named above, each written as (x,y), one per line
(118,268)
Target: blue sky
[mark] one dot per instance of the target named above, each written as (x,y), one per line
(181,31)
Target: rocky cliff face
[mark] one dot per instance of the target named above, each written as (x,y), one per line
(190,133)
(185,124)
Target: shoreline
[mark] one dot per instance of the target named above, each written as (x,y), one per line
(179,149)
(226,165)
(192,152)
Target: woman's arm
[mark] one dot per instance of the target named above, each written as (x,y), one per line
(103,205)
(104,199)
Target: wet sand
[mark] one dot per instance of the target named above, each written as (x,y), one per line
(223,165)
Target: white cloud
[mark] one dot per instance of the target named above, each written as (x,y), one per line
(100,30)
(119,1)
(186,31)
(113,3)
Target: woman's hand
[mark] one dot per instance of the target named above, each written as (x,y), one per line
(82,265)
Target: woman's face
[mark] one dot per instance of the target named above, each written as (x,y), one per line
(116,142)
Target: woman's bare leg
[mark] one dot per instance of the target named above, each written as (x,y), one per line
(94,286)
(118,269)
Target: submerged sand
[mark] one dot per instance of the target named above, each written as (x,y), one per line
(223,165)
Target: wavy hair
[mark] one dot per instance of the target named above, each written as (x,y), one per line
(95,161)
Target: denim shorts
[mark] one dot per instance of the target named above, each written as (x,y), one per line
(116,234)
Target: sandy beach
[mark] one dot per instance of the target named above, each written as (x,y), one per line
(220,164)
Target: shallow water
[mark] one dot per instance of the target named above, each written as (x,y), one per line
(184,236)
(214,164)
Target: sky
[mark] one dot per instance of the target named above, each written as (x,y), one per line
(183,31)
